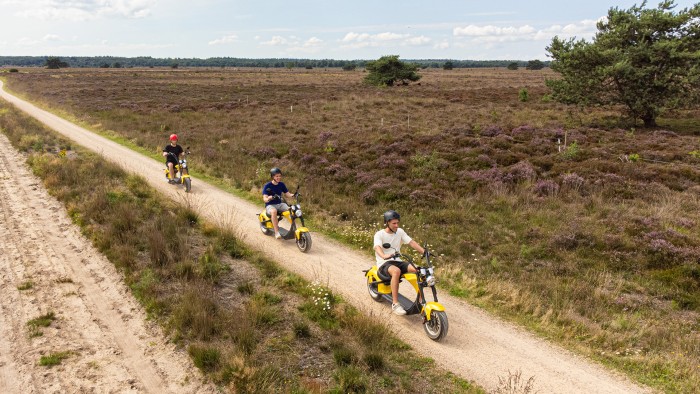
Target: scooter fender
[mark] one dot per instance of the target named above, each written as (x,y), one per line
(299,231)
(432,306)
(262,217)
(381,287)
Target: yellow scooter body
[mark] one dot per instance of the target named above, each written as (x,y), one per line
(263,218)
(412,278)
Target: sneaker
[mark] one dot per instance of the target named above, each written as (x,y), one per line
(398,309)
(277,236)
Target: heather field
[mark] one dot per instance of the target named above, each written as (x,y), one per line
(571,222)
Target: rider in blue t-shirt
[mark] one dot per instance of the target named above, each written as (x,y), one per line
(272,196)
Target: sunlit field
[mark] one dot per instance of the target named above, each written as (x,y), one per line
(572,222)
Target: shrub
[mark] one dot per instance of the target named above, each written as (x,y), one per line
(523,95)
(546,188)
(389,70)
(205,358)
(375,361)
(522,171)
(572,181)
(343,355)
(350,380)
(301,330)
(571,152)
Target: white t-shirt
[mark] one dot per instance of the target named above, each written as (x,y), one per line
(394,239)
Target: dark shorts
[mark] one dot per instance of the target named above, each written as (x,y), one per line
(403,266)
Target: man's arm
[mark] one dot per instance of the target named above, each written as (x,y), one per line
(380,252)
(416,246)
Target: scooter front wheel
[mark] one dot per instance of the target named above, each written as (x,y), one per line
(437,326)
(304,242)
(188,185)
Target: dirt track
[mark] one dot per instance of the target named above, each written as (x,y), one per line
(478,347)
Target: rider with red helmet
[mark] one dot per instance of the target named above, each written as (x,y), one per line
(172,153)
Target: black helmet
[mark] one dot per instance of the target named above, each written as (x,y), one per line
(274,171)
(391,215)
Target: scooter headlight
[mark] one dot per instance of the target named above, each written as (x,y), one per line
(298,212)
(430,281)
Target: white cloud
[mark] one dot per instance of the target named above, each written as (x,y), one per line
(496,34)
(483,31)
(81,10)
(277,41)
(354,40)
(350,37)
(441,45)
(418,41)
(389,36)
(51,37)
(224,40)
(313,42)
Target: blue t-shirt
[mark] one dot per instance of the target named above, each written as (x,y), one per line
(271,189)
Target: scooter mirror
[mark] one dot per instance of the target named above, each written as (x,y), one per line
(386,245)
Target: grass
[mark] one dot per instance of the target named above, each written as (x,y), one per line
(237,313)
(35,324)
(568,237)
(27,285)
(54,358)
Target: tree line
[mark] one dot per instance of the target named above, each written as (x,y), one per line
(147,61)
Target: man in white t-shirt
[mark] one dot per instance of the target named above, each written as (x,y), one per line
(394,236)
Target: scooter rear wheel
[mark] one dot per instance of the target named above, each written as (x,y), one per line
(373,291)
(437,326)
(265,230)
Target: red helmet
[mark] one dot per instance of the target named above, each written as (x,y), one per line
(173,137)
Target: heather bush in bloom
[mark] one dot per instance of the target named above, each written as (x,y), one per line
(546,188)
(572,182)
(522,171)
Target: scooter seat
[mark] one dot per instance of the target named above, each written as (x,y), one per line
(382,276)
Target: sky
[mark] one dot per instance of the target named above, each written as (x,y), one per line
(308,29)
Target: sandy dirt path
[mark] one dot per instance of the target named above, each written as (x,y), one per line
(111,346)
(478,347)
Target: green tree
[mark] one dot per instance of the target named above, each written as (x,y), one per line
(55,63)
(647,60)
(513,66)
(350,67)
(448,65)
(388,70)
(535,65)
